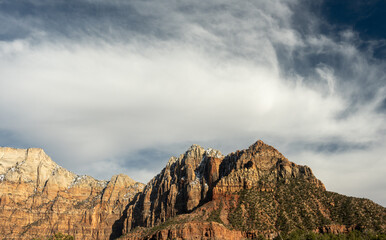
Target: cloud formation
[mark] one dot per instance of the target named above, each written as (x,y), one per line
(115,86)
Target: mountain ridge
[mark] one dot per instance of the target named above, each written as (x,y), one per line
(195,185)
(200,194)
(38,198)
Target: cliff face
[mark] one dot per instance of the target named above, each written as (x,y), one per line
(199,195)
(39,198)
(252,192)
(181,186)
(260,167)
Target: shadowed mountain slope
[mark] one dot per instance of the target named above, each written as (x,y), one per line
(257,191)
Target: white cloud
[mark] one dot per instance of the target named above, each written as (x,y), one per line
(215,78)
(356,173)
(327,74)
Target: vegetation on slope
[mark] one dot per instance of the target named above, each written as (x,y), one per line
(58,236)
(353,235)
(300,205)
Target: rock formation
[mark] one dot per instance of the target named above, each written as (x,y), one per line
(252,192)
(202,194)
(39,198)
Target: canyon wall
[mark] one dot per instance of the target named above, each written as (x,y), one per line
(39,198)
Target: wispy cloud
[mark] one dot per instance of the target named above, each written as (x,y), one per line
(117,86)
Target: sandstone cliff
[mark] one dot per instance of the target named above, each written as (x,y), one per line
(39,198)
(252,192)
(201,194)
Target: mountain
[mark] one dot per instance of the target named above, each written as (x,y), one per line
(205,195)
(202,194)
(39,198)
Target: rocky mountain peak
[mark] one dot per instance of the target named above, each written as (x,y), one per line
(252,191)
(201,194)
(260,166)
(12,156)
(200,175)
(31,165)
(261,147)
(210,152)
(122,179)
(193,155)
(39,197)
(258,143)
(198,152)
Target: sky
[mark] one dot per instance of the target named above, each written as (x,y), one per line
(120,86)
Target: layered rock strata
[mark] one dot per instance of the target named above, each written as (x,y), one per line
(201,194)
(39,198)
(252,192)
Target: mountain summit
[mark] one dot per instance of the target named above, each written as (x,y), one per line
(39,198)
(257,191)
(201,194)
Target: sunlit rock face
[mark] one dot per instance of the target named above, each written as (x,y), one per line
(39,198)
(201,194)
(257,191)
(200,175)
(180,187)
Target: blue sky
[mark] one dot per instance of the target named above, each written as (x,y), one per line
(120,86)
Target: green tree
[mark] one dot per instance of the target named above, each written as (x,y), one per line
(61,236)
